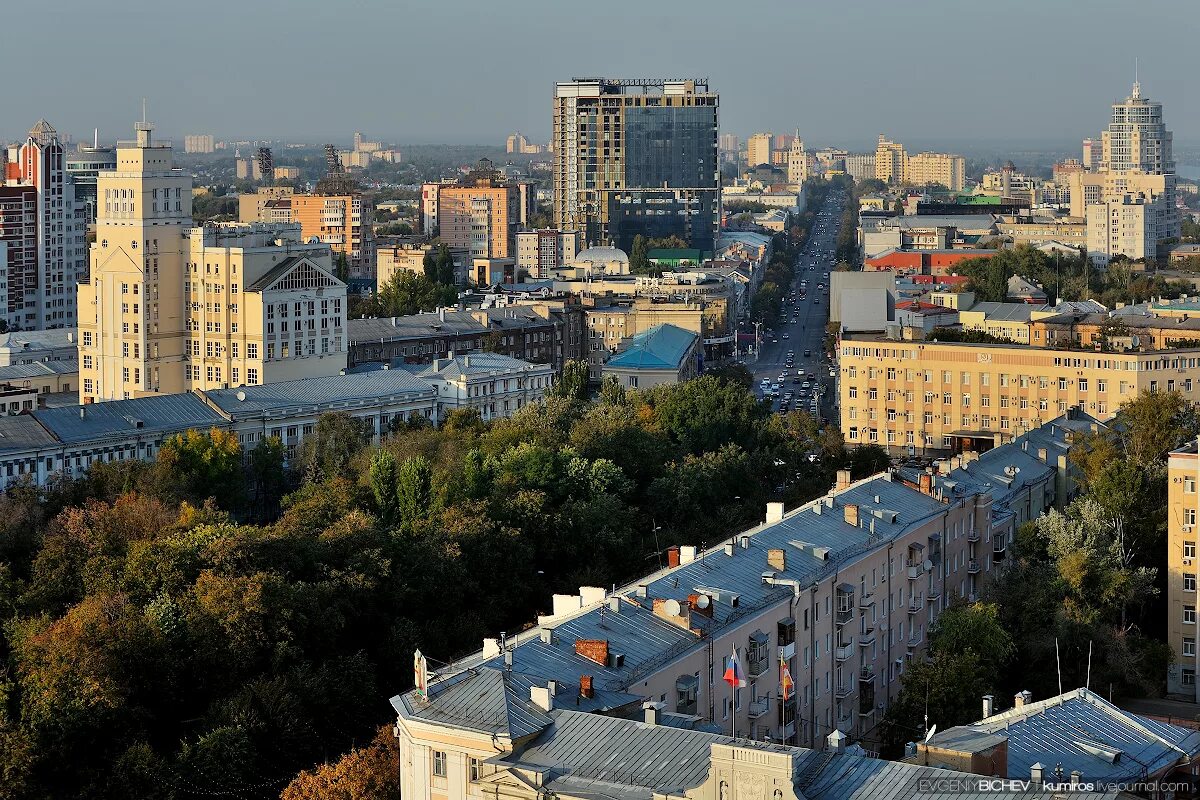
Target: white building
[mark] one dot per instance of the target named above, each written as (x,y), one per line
(541,252)
(1123,226)
(493,384)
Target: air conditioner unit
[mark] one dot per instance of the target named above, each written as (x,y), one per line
(1187,528)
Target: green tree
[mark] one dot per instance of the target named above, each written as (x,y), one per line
(638,262)
(409,293)
(573,383)
(330,450)
(439,266)
(384,485)
(412,489)
(194,466)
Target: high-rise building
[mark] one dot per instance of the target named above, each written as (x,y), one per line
(344,223)
(1136,137)
(758,149)
(173,308)
(945,168)
(860,166)
(890,160)
(515,143)
(636,157)
(797,162)
(18,254)
(1091,154)
(198,143)
(542,251)
(47,299)
(729,143)
(481,213)
(84,166)
(1183,529)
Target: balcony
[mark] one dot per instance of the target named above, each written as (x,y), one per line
(866,674)
(998,546)
(973,535)
(915,639)
(843,651)
(973,567)
(843,615)
(916,603)
(760,707)
(789,731)
(757,667)
(842,691)
(866,638)
(787,651)
(914,571)
(865,602)
(973,598)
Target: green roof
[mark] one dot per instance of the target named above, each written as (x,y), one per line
(662,347)
(678,254)
(979,199)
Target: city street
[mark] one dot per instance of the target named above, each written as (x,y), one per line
(792,358)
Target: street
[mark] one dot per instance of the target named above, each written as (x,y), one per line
(791,368)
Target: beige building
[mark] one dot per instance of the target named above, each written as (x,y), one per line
(495,385)
(663,355)
(541,252)
(890,160)
(944,168)
(345,223)
(1183,472)
(1125,225)
(1041,230)
(950,396)
(1004,320)
(180,308)
(198,143)
(251,205)
(797,163)
(758,149)
(860,166)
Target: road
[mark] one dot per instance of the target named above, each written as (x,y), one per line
(797,343)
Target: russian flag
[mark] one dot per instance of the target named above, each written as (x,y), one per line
(734,675)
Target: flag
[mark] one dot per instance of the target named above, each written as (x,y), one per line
(785,679)
(734,675)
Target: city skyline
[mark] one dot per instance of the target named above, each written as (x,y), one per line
(469,100)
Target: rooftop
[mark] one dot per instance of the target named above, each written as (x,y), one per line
(474,364)
(661,347)
(121,418)
(1007,312)
(37,369)
(330,393)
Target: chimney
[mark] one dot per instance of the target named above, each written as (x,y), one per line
(1076,777)
(843,479)
(585,687)
(673,556)
(1036,773)
(989,705)
(729,548)
(744,541)
(653,712)
(1042,454)
(926,483)
(546,635)
(836,742)
(774,512)
(910,749)
(442,313)
(777,559)
(687,554)
(1022,699)
(851,514)
(593,650)
(541,697)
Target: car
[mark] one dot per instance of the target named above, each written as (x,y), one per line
(796,379)
(787,336)
(806,385)
(807,353)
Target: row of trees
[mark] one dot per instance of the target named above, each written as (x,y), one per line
(1080,594)
(216,621)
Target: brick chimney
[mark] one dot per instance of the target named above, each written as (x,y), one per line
(851,514)
(1022,699)
(585,686)
(843,479)
(593,650)
(673,556)
(777,559)
(926,483)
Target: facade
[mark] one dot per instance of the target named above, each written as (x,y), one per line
(664,354)
(40,445)
(1123,226)
(944,168)
(842,591)
(943,396)
(758,149)
(18,254)
(495,385)
(84,166)
(636,157)
(252,205)
(541,252)
(481,214)
(860,166)
(1010,321)
(890,161)
(1183,473)
(198,143)
(46,297)
(344,223)
(392,257)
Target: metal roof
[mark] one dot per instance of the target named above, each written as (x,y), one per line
(327,393)
(1007,312)
(473,364)
(37,369)
(22,433)
(49,339)
(164,414)
(661,347)
(491,700)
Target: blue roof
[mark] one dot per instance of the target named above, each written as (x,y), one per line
(119,418)
(662,347)
(332,393)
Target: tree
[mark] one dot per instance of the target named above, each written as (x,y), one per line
(194,466)
(330,449)
(341,268)
(412,489)
(638,263)
(384,485)
(365,773)
(573,383)
(439,266)
(267,475)
(409,293)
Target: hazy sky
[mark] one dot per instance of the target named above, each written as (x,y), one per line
(471,71)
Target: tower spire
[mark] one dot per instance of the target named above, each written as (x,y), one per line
(1137,86)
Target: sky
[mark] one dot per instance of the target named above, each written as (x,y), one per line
(927,73)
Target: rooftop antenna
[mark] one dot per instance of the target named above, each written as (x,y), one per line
(1088,684)
(96,138)
(143,111)
(1137,86)
(1058,661)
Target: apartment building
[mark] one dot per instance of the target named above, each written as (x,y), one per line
(252,205)
(841,591)
(860,166)
(18,254)
(481,213)
(84,165)
(344,222)
(758,149)
(1123,226)
(1183,472)
(408,255)
(943,168)
(890,159)
(199,143)
(797,163)
(636,157)
(932,397)
(541,252)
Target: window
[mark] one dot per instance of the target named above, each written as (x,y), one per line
(1189,646)
(1189,677)
(1189,581)
(1189,615)
(1189,549)
(439,764)
(1189,516)
(474,768)
(1189,485)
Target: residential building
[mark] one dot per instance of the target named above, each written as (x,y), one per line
(28,386)
(797,163)
(636,157)
(917,319)
(947,396)
(45,298)
(198,143)
(344,222)
(1137,139)
(1076,738)
(19,254)
(27,347)
(246,168)
(1012,321)
(495,385)
(890,160)
(1023,290)
(402,254)
(860,166)
(287,173)
(841,591)
(1183,530)
(515,143)
(481,214)
(252,205)
(1038,230)
(1123,226)
(1091,154)
(84,165)
(45,443)
(758,149)
(541,252)
(664,354)
(946,169)
(936,261)
(729,144)
(924,232)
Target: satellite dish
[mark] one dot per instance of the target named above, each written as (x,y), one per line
(931,732)
(702,601)
(241,396)
(672,607)
(927,565)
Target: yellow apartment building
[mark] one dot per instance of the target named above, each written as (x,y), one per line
(945,168)
(1183,471)
(927,397)
(251,204)
(344,223)
(890,161)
